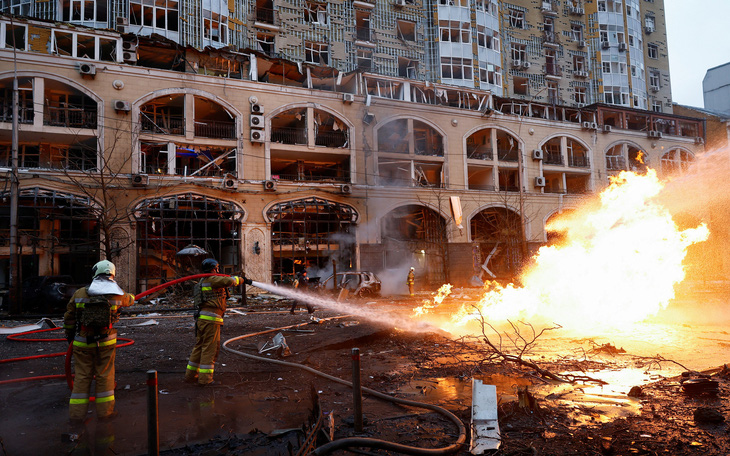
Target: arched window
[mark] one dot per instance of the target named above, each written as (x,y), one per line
(676,161)
(498,232)
(626,157)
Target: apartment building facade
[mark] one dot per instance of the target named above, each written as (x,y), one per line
(570,52)
(274,167)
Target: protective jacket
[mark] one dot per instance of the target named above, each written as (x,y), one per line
(94,352)
(210,296)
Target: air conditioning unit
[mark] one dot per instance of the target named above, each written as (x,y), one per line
(229,182)
(582,43)
(345,189)
(594,126)
(368,118)
(88,69)
(256,121)
(257,136)
(122,106)
(580,74)
(257,108)
(539,181)
(348,97)
(140,180)
(607,129)
(526,65)
(605,45)
(129,56)
(122,24)
(586,125)
(622,46)
(129,45)
(649,29)
(537,154)
(655,134)
(270,185)
(699,140)
(400,3)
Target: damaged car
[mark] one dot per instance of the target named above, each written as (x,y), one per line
(358,283)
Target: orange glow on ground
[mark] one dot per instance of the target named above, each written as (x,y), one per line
(620,261)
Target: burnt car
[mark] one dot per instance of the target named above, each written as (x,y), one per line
(358,283)
(48,294)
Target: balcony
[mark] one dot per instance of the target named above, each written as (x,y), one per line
(553,158)
(162,125)
(364,34)
(215,129)
(293,136)
(550,39)
(59,116)
(266,16)
(510,155)
(579,161)
(337,139)
(553,70)
(480,152)
(549,8)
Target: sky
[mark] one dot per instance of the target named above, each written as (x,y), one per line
(697,31)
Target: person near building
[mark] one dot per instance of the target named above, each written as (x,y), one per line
(301,283)
(89,323)
(411,280)
(210,296)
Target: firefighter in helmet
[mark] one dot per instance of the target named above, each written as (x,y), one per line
(89,323)
(411,280)
(210,295)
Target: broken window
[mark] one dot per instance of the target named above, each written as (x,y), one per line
(80,45)
(490,74)
(625,156)
(317,53)
(652,51)
(60,229)
(365,59)
(479,145)
(215,26)
(14,36)
(266,44)
(78,156)
(456,68)
(676,162)
(519,53)
(406,30)
(579,95)
(160,14)
(516,18)
(455,31)
(265,11)
(576,31)
(315,13)
(362,25)
(654,78)
(26,113)
(577,154)
(656,106)
(553,154)
(407,68)
(520,85)
(164,115)
(498,233)
(649,24)
(290,127)
(166,225)
(68,107)
(311,233)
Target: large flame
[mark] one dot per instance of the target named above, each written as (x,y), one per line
(619,263)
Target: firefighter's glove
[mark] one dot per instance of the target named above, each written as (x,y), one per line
(70,337)
(247,281)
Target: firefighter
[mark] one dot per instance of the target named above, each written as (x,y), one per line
(210,296)
(90,315)
(411,280)
(301,283)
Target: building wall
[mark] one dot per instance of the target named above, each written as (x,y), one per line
(716,89)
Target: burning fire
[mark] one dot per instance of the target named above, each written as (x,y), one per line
(619,263)
(443,292)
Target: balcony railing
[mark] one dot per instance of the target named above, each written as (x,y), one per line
(364,34)
(509,188)
(579,161)
(511,155)
(307,177)
(550,38)
(553,158)
(289,135)
(266,16)
(164,126)
(215,129)
(615,163)
(70,117)
(479,153)
(484,187)
(553,69)
(25,113)
(331,139)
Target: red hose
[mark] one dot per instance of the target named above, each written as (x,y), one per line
(181,279)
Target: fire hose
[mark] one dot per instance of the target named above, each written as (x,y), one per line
(67,365)
(366,442)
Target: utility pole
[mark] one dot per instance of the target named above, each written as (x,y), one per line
(14,266)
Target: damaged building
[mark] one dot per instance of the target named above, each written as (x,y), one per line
(140,134)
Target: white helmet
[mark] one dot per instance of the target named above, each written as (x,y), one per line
(104,267)
(412,268)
